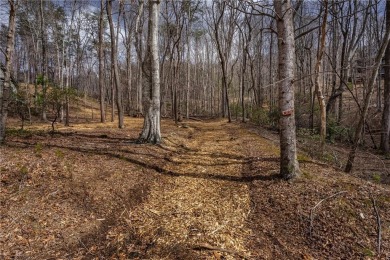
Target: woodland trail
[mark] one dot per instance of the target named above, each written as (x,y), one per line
(208,204)
(210,190)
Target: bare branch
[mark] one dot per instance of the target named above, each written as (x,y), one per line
(378,223)
(317,205)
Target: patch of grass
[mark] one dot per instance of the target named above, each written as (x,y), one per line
(23,170)
(383,199)
(376,177)
(60,154)
(328,157)
(19,133)
(368,252)
(303,158)
(306,175)
(38,148)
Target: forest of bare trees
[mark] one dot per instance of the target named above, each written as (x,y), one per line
(194,129)
(319,65)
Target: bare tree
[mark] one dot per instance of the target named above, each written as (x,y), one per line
(370,90)
(224,25)
(114,65)
(319,79)
(101,63)
(5,89)
(289,167)
(352,31)
(151,129)
(44,78)
(138,46)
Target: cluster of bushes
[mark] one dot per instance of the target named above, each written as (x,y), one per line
(28,101)
(307,121)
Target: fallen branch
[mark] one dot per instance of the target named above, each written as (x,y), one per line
(195,119)
(318,204)
(213,248)
(378,223)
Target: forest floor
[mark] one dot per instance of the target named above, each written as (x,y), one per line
(211,190)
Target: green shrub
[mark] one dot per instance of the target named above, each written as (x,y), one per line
(265,117)
(338,132)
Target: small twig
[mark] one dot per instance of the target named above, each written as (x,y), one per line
(318,204)
(378,223)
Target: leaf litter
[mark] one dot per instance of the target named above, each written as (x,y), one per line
(211,190)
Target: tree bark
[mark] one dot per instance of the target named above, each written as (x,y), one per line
(151,129)
(318,81)
(289,167)
(139,49)
(43,61)
(385,133)
(101,65)
(5,90)
(114,66)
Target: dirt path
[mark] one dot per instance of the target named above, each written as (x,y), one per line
(209,203)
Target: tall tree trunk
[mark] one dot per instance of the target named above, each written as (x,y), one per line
(151,129)
(101,64)
(114,65)
(5,90)
(370,90)
(188,68)
(139,49)
(128,40)
(289,167)
(385,133)
(243,78)
(318,82)
(43,61)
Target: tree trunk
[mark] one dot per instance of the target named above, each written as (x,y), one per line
(139,49)
(114,66)
(385,133)
(289,167)
(318,81)
(43,61)
(5,90)
(370,90)
(101,65)
(188,70)
(151,129)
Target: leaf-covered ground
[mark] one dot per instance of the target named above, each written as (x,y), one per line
(211,190)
